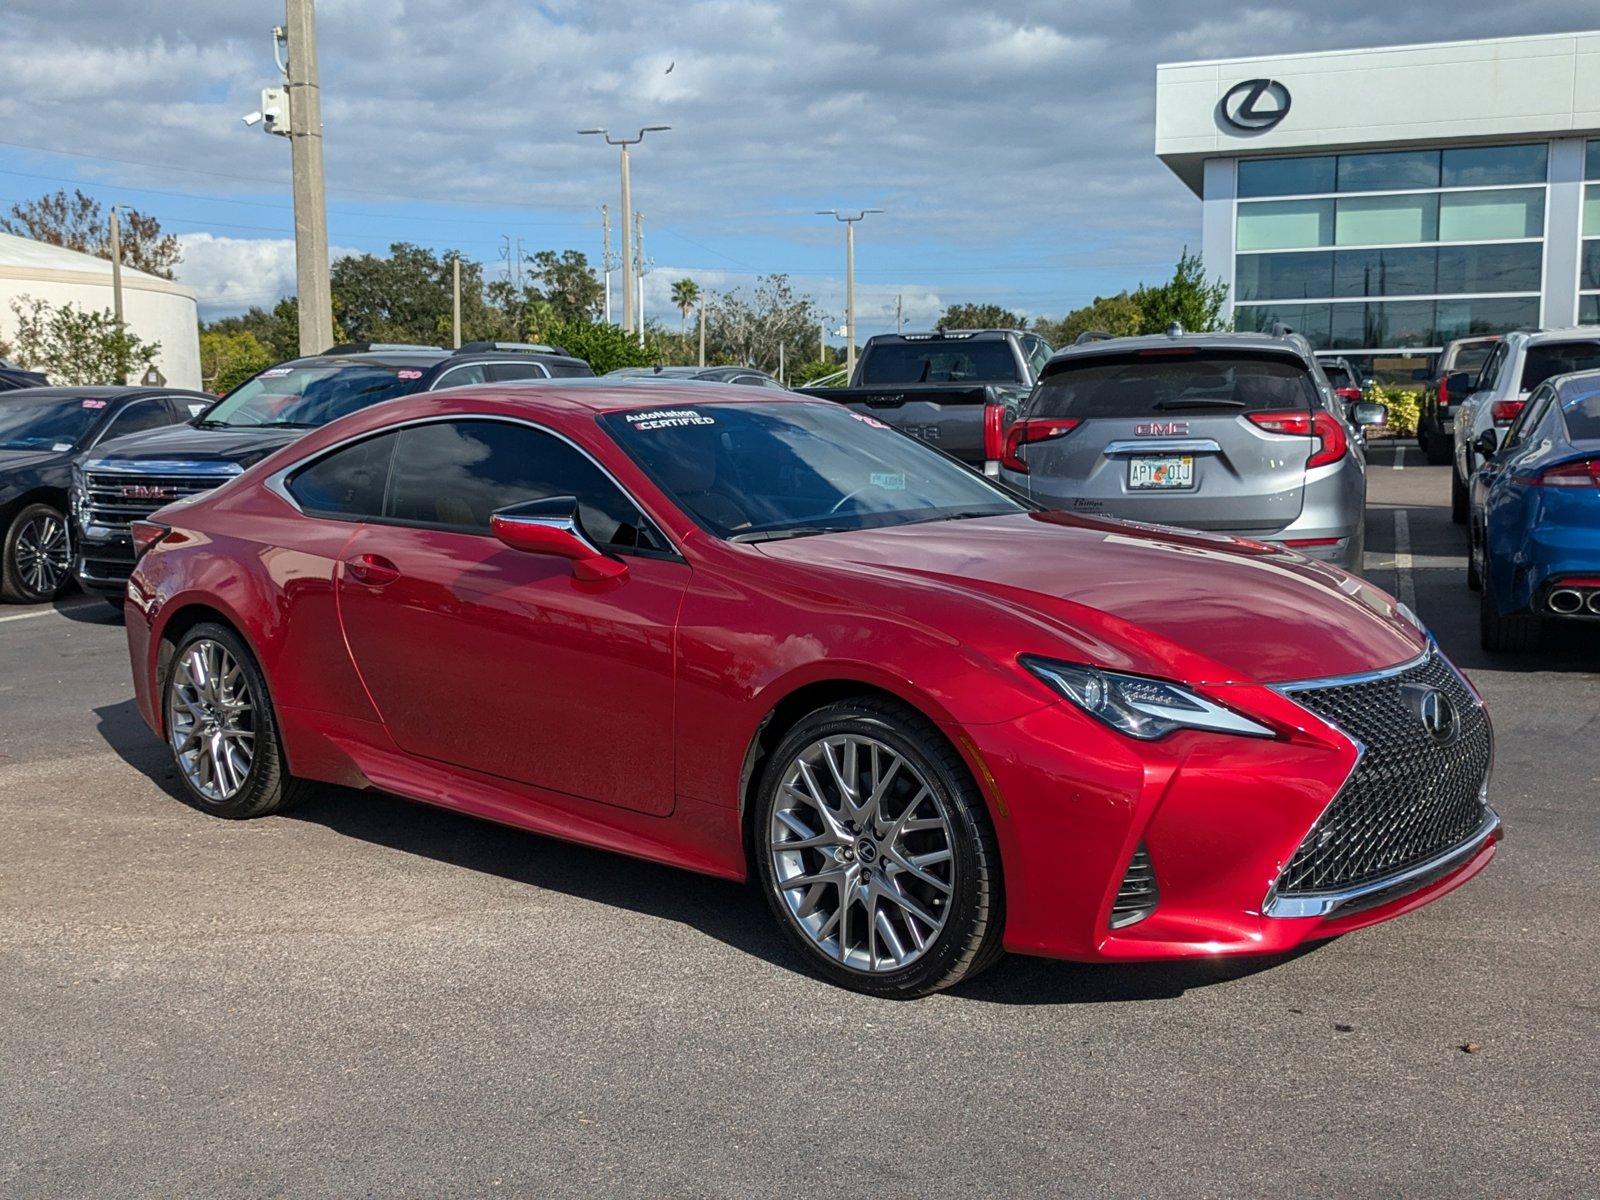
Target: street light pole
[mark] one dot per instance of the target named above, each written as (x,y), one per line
(849,279)
(627,214)
(116,274)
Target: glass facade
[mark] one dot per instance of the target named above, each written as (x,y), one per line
(1399,249)
(1589,268)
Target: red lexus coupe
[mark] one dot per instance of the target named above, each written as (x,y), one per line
(768,636)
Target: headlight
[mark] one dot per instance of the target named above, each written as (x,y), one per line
(1138,706)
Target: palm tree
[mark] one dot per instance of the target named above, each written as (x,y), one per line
(685,293)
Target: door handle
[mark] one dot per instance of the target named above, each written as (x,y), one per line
(372,569)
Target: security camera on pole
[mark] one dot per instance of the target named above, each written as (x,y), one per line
(849,280)
(627,216)
(295,112)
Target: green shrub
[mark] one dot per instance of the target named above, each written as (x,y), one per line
(1405,408)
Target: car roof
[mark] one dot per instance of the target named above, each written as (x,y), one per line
(1291,346)
(109,391)
(375,358)
(1570,333)
(929,335)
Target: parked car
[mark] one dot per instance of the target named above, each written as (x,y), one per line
(13,377)
(956,389)
(1229,432)
(116,485)
(1535,516)
(748,376)
(1459,364)
(41,431)
(1520,363)
(755,634)
(1345,381)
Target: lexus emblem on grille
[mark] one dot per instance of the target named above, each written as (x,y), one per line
(1436,711)
(147,491)
(1256,105)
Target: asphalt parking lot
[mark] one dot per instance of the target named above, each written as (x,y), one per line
(373,997)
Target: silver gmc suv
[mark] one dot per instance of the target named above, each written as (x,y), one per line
(1235,433)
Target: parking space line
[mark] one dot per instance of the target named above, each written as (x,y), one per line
(1405,589)
(1400,457)
(47,612)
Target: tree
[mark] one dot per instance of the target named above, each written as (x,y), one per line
(77,222)
(1117,315)
(685,294)
(981,316)
(227,359)
(403,298)
(77,346)
(604,347)
(750,329)
(278,331)
(1186,299)
(566,282)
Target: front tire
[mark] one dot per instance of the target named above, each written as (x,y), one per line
(36,558)
(221,729)
(875,851)
(1458,497)
(1475,552)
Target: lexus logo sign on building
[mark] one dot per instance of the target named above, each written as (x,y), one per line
(1256,105)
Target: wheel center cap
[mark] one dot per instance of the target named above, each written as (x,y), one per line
(867,851)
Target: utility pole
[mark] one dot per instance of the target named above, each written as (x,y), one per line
(849,279)
(116,276)
(702,332)
(315,300)
(822,340)
(780,362)
(900,314)
(605,257)
(627,217)
(638,270)
(455,300)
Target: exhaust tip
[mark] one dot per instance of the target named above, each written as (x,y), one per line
(1566,601)
(1594,602)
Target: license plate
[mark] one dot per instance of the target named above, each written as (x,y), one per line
(1176,471)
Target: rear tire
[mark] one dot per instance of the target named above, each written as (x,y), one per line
(834,865)
(1516,633)
(35,556)
(1475,540)
(1435,448)
(1458,497)
(221,729)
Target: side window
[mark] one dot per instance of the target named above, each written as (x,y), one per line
(1530,416)
(186,408)
(137,417)
(1038,354)
(348,483)
(460,376)
(1491,369)
(454,474)
(505,372)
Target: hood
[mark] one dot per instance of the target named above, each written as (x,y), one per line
(189,443)
(25,460)
(1141,598)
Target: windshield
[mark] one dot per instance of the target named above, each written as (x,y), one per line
(58,423)
(1558,358)
(311,395)
(1472,357)
(947,361)
(1337,375)
(1223,382)
(761,471)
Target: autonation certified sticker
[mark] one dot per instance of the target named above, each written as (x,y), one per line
(668,418)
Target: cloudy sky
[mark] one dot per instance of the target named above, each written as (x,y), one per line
(1011,144)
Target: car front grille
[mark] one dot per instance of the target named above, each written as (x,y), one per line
(1138,895)
(115,499)
(1411,797)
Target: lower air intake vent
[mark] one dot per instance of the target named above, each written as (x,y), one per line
(1138,895)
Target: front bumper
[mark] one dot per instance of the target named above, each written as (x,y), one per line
(1218,818)
(102,560)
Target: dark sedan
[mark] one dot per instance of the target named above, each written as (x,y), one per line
(41,430)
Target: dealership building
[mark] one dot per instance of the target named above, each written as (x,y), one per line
(1385,201)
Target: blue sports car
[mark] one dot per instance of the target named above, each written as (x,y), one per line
(1535,516)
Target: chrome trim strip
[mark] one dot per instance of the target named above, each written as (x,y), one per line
(1301,685)
(1164,446)
(1327,904)
(161,466)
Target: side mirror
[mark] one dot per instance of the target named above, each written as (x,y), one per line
(1369,414)
(1488,443)
(1421,375)
(551,527)
(1458,384)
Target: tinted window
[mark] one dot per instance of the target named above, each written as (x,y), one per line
(1225,382)
(34,424)
(137,417)
(1388,171)
(1480,166)
(1589,310)
(776,468)
(1338,376)
(1530,416)
(1385,272)
(461,376)
(1546,362)
(454,474)
(505,372)
(1471,357)
(945,361)
(348,482)
(1583,418)
(1285,176)
(568,370)
(313,394)
(1591,265)
(1506,268)
(1284,276)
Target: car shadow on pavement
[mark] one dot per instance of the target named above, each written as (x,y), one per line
(733,913)
(84,609)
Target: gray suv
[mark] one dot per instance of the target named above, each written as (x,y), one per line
(1237,433)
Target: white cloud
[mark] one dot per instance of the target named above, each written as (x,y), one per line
(232,274)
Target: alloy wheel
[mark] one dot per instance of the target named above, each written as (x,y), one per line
(211,720)
(862,853)
(42,554)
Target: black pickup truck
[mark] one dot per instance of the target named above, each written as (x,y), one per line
(956,389)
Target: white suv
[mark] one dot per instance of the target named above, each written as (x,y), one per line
(1520,363)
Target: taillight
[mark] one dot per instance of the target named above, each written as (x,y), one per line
(1035,429)
(1444,393)
(1583,473)
(1505,411)
(145,535)
(1348,393)
(1322,425)
(1301,543)
(994,432)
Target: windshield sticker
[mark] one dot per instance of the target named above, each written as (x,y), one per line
(273,373)
(408,373)
(889,481)
(61,447)
(94,403)
(196,409)
(866,420)
(668,418)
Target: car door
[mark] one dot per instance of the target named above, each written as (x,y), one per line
(1498,498)
(501,661)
